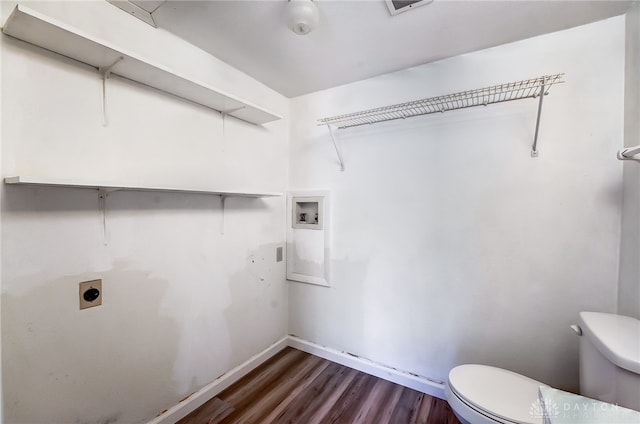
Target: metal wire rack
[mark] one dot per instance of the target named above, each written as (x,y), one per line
(525,89)
(530,88)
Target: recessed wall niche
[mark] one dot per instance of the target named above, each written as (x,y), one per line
(308,251)
(308,213)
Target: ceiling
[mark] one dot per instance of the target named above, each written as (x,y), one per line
(358,39)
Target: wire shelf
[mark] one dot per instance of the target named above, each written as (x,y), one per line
(524,89)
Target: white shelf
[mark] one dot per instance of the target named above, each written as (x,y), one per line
(51,34)
(525,89)
(55,182)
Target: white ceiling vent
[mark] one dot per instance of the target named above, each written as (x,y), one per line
(399,6)
(140,11)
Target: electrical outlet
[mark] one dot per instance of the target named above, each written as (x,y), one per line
(90,294)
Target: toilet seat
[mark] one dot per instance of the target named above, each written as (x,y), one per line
(499,395)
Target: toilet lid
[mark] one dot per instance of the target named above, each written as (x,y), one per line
(497,392)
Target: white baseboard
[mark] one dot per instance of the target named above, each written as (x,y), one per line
(191,403)
(412,381)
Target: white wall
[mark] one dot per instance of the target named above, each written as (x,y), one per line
(629,292)
(450,243)
(1,173)
(182,303)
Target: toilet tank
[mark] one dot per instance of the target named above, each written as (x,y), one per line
(610,358)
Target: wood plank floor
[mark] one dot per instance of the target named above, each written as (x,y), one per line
(296,387)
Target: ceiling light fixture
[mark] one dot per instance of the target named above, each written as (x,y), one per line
(302,16)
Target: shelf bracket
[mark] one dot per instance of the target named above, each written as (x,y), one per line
(534,147)
(628,153)
(337,147)
(223,198)
(105,71)
(102,206)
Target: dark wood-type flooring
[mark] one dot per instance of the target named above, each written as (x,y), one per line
(295,387)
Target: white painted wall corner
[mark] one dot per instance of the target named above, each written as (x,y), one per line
(191,403)
(195,400)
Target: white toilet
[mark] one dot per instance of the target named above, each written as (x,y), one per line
(609,371)
(479,394)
